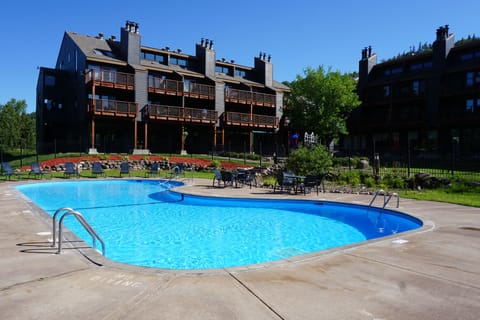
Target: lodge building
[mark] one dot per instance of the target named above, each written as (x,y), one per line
(425,102)
(119,96)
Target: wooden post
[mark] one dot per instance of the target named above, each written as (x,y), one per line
(182,139)
(134,134)
(215,137)
(93,134)
(251,140)
(223,136)
(146,135)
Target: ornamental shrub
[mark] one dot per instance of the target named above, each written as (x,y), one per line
(304,160)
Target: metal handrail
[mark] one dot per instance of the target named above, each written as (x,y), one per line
(385,199)
(390,197)
(82,221)
(54,220)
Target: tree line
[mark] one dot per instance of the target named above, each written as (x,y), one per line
(17,127)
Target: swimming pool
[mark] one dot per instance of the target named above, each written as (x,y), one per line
(144,223)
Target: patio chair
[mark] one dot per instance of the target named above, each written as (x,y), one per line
(311,181)
(153,169)
(246,177)
(217,177)
(97,169)
(125,168)
(7,171)
(36,170)
(177,171)
(70,169)
(228,178)
(285,181)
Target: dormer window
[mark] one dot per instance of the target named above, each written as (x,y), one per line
(222,69)
(240,73)
(152,56)
(178,61)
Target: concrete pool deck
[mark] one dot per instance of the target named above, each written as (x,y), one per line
(435,274)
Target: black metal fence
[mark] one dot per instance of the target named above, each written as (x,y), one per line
(412,161)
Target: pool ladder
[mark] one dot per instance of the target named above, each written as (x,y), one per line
(70,212)
(386,198)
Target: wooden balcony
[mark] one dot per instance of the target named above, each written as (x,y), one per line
(175,113)
(250,120)
(199,91)
(165,86)
(113,108)
(249,97)
(110,79)
(178,88)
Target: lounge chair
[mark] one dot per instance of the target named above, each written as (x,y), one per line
(153,169)
(97,169)
(7,171)
(36,170)
(70,169)
(124,168)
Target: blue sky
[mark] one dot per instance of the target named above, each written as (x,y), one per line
(298,34)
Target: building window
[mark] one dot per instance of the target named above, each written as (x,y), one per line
(49,81)
(469,105)
(152,56)
(386,91)
(418,87)
(466,56)
(469,79)
(472,78)
(240,73)
(470,55)
(156,81)
(178,61)
(222,69)
(421,65)
(397,70)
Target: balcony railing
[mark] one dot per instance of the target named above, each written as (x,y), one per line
(249,97)
(165,86)
(113,108)
(198,90)
(250,120)
(110,79)
(179,88)
(175,113)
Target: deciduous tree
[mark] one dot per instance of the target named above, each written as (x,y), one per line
(17,128)
(321,101)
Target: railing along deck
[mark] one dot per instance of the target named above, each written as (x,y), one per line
(248,120)
(248,97)
(174,113)
(110,79)
(114,108)
(179,88)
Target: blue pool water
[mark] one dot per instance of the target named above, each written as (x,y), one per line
(144,223)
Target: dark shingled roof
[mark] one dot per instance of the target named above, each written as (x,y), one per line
(97,48)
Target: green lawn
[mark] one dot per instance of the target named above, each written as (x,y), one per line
(467,198)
